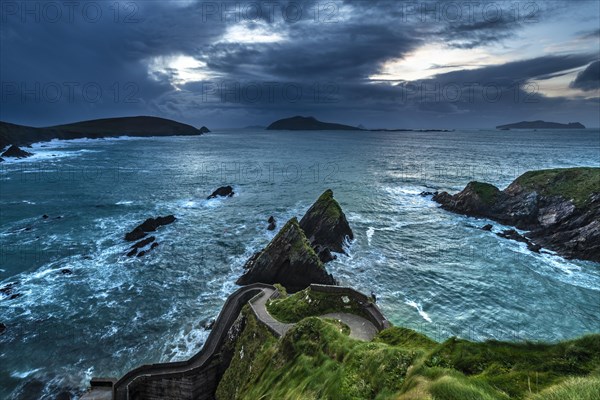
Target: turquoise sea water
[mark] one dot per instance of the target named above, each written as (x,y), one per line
(433,271)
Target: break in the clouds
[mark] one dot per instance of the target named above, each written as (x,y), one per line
(226,64)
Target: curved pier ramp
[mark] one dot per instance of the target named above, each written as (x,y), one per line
(196,378)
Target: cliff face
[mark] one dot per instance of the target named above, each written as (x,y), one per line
(560,208)
(289,260)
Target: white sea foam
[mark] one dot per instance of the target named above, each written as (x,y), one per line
(419,309)
(24,374)
(370,233)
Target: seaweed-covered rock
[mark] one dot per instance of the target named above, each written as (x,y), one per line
(325,223)
(289,260)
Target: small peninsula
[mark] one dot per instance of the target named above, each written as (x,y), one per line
(541,125)
(559,207)
(20,135)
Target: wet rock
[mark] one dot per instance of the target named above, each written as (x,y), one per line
(16,152)
(208,325)
(132,253)
(141,253)
(325,223)
(272,224)
(44,216)
(289,260)
(8,289)
(154,245)
(204,130)
(2,328)
(223,191)
(513,235)
(425,194)
(14,296)
(487,227)
(66,271)
(135,234)
(149,225)
(144,242)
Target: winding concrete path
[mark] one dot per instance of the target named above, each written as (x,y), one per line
(360,328)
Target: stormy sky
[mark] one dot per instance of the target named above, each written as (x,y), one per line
(381,64)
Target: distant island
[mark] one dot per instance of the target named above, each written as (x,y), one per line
(541,125)
(299,123)
(21,135)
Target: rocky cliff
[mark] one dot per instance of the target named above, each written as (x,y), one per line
(289,260)
(295,257)
(559,207)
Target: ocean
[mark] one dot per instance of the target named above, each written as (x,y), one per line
(431,270)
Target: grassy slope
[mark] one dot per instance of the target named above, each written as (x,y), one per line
(486,192)
(308,303)
(317,360)
(570,183)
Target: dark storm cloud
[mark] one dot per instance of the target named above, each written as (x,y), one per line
(476,34)
(321,65)
(589,78)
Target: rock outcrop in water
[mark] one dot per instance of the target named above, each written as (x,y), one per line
(149,225)
(140,231)
(560,208)
(296,255)
(289,260)
(16,152)
(325,224)
(223,191)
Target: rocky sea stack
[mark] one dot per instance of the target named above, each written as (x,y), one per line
(289,260)
(325,224)
(559,207)
(295,257)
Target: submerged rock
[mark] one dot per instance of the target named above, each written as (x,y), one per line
(66,271)
(289,260)
(16,152)
(325,224)
(223,191)
(560,208)
(487,227)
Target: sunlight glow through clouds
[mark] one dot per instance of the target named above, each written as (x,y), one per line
(251,32)
(433,59)
(178,69)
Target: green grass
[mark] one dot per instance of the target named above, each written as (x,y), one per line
(317,360)
(575,184)
(309,303)
(572,389)
(486,192)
